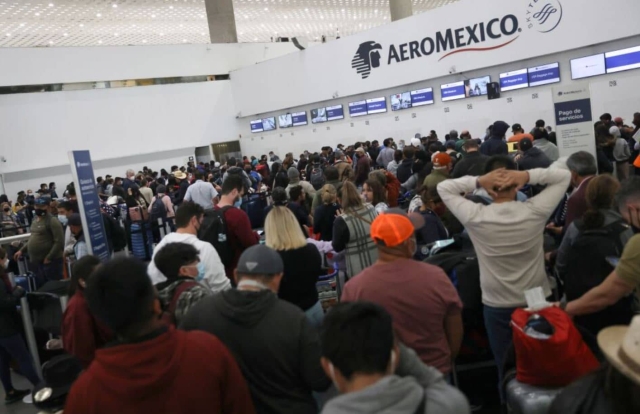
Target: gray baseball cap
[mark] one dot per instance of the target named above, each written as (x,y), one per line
(260,260)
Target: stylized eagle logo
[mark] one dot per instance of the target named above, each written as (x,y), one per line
(367,57)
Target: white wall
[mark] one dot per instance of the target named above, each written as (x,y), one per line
(61,175)
(621,100)
(38,66)
(325,71)
(113,123)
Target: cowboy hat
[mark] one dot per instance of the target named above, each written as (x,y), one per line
(180,175)
(621,347)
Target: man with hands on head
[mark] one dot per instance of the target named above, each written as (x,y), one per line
(507,236)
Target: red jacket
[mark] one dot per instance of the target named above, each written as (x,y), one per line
(174,372)
(240,236)
(82,333)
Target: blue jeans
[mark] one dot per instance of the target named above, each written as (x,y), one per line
(315,315)
(14,347)
(498,324)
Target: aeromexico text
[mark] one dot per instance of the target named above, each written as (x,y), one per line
(452,39)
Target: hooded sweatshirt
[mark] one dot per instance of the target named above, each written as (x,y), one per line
(495,145)
(402,395)
(276,348)
(168,371)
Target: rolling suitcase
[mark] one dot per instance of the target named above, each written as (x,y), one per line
(254,207)
(528,399)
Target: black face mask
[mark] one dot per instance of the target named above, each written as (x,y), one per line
(40,213)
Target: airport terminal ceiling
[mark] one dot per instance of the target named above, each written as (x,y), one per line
(54,23)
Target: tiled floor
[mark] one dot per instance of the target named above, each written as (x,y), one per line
(21,383)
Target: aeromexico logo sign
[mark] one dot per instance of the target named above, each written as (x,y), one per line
(543,16)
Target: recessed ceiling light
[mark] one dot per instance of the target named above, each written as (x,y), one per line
(144,41)
(8,34)
(161,34)
(115,34)
(115,6)
(100,42)
(50,4)
(50,42)
(184,40)
(98,15)
(153,16)
(81,25)
(255,39)
(171,7)
(306,10)
(65,34)
(37,14)
(203,34)
(21,24)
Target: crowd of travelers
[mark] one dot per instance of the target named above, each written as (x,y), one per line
(225,317)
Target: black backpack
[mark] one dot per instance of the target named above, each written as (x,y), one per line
(158,210)
(214,230)
(316,178)
(464,272)
(587,267)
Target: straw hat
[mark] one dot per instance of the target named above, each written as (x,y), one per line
(621,347)
(180,175)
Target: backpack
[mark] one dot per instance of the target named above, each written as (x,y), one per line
(168,316)
(587,267)
(214,230)
(316,178)
(463,270)
(158,210)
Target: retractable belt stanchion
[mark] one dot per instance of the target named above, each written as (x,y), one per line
(162,228)
(28,330)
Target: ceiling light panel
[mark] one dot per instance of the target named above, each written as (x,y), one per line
(33,23)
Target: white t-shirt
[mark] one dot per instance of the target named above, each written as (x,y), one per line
(508,237)
(215,277)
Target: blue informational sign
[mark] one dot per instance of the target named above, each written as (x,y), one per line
(335,112)
(89,204)
(573,112)
(358,108)
(517,79)
(621,60)
(422,97)
(452,91)
(376,105)
(299,118)
(544,75)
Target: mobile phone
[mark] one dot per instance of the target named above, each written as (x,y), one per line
(613,261)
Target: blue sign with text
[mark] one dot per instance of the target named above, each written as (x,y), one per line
(573,112)
(89,204)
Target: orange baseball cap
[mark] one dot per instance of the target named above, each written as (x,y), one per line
(394,227)
(441,159)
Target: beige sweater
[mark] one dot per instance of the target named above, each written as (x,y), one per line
(508,237)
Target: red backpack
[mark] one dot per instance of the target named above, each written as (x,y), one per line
(554,362)
(168,316)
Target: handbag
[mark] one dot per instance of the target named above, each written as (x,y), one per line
(554,362)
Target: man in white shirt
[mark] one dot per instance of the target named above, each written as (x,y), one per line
(201,192)
(188,221)
(507,236)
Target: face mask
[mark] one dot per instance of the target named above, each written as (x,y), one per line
(201,271)
(63,219)
(238,203)
(40,213)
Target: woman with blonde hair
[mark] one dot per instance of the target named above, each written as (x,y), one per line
(325,214)
(351,231)
(302,262)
